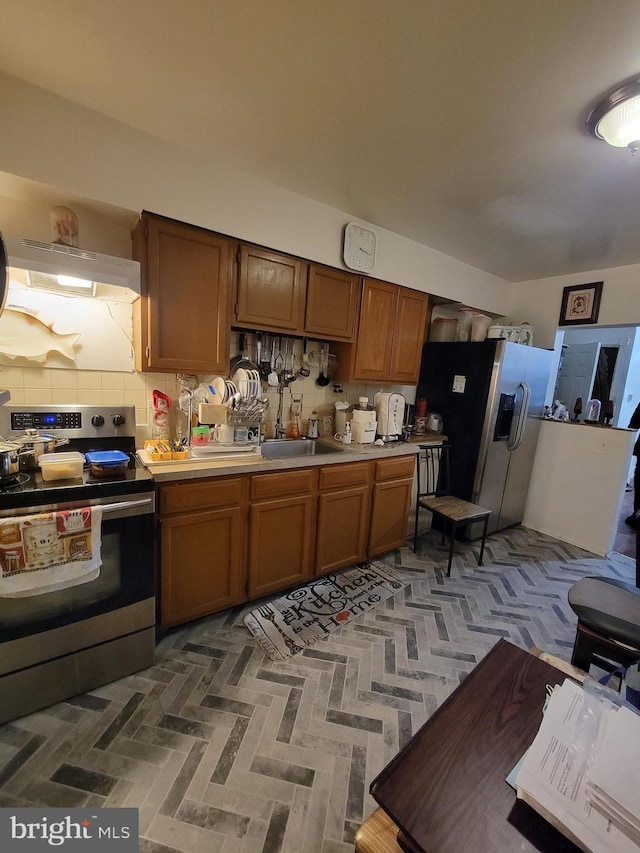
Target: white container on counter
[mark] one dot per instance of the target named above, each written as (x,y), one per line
(61,466)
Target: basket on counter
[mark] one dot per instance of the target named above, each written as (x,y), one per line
(162,451)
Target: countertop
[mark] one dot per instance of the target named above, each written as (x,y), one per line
(590,424)
(193,468)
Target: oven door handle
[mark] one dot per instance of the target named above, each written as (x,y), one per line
(121,506)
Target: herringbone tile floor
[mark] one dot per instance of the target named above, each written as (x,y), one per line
(224,750)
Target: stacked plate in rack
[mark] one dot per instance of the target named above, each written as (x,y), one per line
(248,383)
(224,390)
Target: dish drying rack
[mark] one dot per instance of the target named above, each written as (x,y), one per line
(246,413)
(249,413)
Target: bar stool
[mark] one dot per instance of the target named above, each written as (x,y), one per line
(453,512)
(608,612)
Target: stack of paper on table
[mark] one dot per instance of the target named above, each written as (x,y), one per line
(614,780)
(554,775)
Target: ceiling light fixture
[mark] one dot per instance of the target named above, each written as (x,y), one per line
(616,118)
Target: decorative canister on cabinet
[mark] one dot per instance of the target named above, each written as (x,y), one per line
(443,329)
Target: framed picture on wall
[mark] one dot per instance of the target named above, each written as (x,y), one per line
(580,304)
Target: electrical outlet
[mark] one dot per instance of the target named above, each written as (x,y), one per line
(337,389)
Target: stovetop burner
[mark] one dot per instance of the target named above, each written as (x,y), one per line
(14,482)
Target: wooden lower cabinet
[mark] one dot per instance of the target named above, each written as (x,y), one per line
(343,516)
(226,540)
(202,550)
(281,530)
(390,507)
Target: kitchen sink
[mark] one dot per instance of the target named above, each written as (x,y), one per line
(285,448)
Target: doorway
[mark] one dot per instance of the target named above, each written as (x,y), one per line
(605,369)
(600,362)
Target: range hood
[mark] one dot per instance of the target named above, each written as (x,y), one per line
(58,260)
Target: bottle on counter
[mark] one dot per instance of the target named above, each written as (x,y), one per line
(346,436)
(293,430)
(312,425)
(577,409)
(593,411)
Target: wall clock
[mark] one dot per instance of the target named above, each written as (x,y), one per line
(359,250)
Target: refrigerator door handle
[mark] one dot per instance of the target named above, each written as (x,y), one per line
(522,417)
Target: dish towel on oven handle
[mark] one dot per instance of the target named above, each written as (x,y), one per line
(49,551)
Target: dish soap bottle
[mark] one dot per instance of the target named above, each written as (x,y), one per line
(312,425)
(293,430)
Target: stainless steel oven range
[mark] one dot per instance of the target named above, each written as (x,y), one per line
(66,636)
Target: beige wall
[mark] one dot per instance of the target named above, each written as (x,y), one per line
(44,386)
(57,143)
(94,159)
(539,301)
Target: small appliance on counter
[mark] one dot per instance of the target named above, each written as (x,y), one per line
(390,408)
(363,422)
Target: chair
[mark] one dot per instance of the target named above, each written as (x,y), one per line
(608,612)
(436,498)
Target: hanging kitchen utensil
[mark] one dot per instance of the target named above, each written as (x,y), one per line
(264,362)
(258,349)
(304,370)
(323,362)
(287,353)
(241,360)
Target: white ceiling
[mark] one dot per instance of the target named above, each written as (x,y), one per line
(456,123)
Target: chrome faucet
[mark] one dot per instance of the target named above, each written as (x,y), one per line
(284,380)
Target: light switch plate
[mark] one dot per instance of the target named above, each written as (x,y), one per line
(459,384)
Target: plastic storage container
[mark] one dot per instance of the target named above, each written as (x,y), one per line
(107,463)
(61,466)
(443,329)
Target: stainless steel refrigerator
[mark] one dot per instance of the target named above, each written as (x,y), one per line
(491,398)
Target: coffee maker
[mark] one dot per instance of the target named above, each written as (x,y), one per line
(390,409)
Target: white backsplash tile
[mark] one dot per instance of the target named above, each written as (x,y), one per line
(113,382)
(43,386)
(64,379)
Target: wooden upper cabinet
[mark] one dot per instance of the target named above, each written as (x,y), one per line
(391,331)
(408,336)
(183,317)
(271,289)
(375,332)
(332,303)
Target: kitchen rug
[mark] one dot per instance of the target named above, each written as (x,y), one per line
(290,624)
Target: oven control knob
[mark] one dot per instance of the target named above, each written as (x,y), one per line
(97,420)
(118,420)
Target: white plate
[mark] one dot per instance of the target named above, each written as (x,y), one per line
(218,383)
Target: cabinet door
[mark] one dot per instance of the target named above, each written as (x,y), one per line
(202,564)
(187,275)
(280,544)
(332,303)
(408,336)
(342,529)
(389,516)
(270,290)
(375,331)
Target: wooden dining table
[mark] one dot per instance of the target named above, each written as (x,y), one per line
(445,791)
